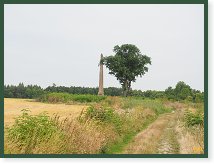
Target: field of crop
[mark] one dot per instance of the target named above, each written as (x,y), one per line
(85,124)
(13,108)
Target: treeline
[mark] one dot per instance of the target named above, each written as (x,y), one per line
(110,91)
(21,91)
(35,91)
(181,91)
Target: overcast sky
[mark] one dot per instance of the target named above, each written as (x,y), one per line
(61,44)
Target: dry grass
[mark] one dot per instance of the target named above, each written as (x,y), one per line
(191,139)
(13,107)
(193,110)
(176,105)
(188,142)
(146,142)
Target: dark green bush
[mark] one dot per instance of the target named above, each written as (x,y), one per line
(192,119)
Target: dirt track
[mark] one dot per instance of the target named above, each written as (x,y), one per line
(159,137)
(167,135)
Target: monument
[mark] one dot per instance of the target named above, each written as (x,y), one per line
(101,91)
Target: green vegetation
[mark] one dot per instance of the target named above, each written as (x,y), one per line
(127,64)
(182,92)
(21,91)
(66,98)
(194,118)
(30,131)
(156,105)
(34,91)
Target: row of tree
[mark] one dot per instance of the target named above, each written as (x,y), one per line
(110,91)
(34,91)
(182,91)
(21,91)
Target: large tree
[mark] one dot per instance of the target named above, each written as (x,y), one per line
(182,90)
(126,64)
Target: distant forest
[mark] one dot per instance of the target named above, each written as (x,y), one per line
(182,91)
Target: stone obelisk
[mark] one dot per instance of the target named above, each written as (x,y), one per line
(101,91)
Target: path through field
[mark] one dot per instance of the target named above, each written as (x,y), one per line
(158,138)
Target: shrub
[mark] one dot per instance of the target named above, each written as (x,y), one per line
(103,115)
(199,97)
(29,131)
(87,98)
(192,119)
(189,98)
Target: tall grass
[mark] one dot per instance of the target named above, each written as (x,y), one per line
(42,134)
(156,105)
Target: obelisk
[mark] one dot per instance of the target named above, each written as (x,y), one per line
(101,91)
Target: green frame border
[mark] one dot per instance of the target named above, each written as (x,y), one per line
(205,155)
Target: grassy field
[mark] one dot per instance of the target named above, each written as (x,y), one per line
(85,124)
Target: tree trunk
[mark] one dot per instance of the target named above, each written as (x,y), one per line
(129,86)
(125,88)
(125,93)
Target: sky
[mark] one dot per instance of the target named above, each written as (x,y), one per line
(61,44)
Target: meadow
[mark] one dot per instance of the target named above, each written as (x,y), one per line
(60,123)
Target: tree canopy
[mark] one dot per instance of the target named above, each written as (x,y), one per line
(126,64)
